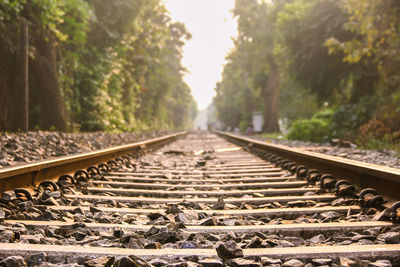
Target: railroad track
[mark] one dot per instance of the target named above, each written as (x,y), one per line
(197,201)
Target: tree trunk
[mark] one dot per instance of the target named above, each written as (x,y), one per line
(270,94)
(46,101)
(10,80)
(23,88)
(8,91)
(365,84)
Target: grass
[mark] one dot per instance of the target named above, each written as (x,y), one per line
(375,144)
(278,136)
(372,144)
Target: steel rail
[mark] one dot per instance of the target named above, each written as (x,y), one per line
(383,179)
(31,174)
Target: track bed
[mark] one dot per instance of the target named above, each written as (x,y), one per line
(198,201)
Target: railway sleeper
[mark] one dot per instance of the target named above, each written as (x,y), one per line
(215,205)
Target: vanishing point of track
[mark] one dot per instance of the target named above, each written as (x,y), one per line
(198,198)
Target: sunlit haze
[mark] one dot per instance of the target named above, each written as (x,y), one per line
(212,26)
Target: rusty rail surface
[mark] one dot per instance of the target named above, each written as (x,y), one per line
(363,175)
(31,174)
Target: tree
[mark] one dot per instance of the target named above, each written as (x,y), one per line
(252,71)
(97,65)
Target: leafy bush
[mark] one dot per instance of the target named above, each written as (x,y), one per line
(347,118)
(292,100)
(325,114)
(243,125)
(375,134)
(316,129)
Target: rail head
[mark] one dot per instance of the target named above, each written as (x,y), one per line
(385,179)
(29,174)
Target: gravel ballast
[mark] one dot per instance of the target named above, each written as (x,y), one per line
(388,158)
(20,148)
(62,216)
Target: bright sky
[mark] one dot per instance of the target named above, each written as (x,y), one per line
(212,26)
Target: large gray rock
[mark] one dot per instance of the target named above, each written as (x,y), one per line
(131,261)
(293,263)
(317,239)
(8,196)
(100,262)
(163,237)
(270,261)
(229,250)
(393,238)
(254,243)
(13,261)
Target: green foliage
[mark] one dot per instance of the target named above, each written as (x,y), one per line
(325,114)
(118,62)
(344,54)
(377,25)
(375,46)
(245,79)
(304,27)
(243,126)
(136,76)
(9,14)
(380,143)
(277,136)
(293,99)
(314,130)
(349,117)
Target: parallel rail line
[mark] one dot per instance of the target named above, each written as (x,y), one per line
(197,197)
(32,174)
(384,179)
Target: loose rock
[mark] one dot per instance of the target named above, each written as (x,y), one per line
(101,262)
(293,263)
(269,261)
(240,262)
(229,250)
(380,263)
(319,262)
(8,196)
(131,261)
(13,261)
